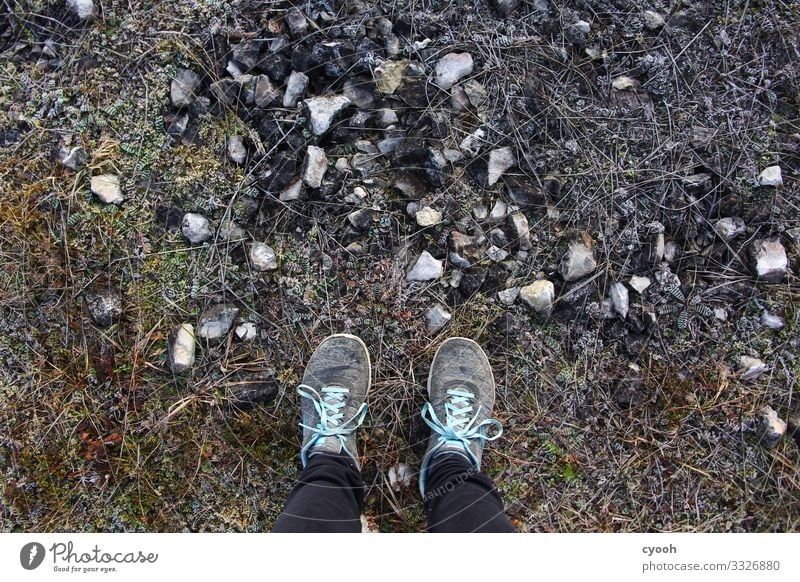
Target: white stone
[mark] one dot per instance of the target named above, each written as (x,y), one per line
(196,228)
(770,259)
(751,368)
(729,228)
(620,299)
(82,8)
(106,188)
(315,166)
(577,262)
(480,212)
(386,118)
(772,321)
(425,268)
(473,142)
(770,428)
(401,476)
(427,216)
(496,254)
(342,165)
(265,92)
(770,176)
(436,317)
(539,296)
(500,160)
(653,20)
(183,87)
(508,296)
(182,348)
(295,87)
(246,331)
(216,321)
(237,151)
(451,68)
(292,191)
(624,83)
(323,110)
(639,284)
(499,211)
(262,257)
(520,230)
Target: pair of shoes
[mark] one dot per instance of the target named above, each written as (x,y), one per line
(461,393)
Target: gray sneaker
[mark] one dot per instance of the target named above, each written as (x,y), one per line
(335,385)
(460,402)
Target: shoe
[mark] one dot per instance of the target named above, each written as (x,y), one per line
(334,387)
(460,401)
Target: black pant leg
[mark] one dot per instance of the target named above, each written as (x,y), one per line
(459,498)
(326,498)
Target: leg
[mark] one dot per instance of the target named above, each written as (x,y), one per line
(459,498)
(327,497)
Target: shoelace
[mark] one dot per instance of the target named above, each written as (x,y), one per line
(459,428)
(328,403)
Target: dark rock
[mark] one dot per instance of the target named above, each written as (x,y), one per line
(301,59)
(478,170)
(276,66)
(361,91)
(504,7)
(175,124)
(471,282)
(334,58)
(367,55)
(278,175)
(296,23)
(245,54)
(525,192)
(169,217)
(9,137)
(104,305)
(228,91)
(249,389)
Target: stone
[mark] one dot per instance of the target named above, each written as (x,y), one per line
(183,87)
(750,368)
(361,219)
(237,151)
(182,348)
(772,321)
(508,296)
(427,216)
(577,262)
(265,92)
(323,110)
(425,268)
(83,9)
(500,160)
(499,211)
(539,296)
(215,322)
(472,144)
(389,76)
(496,254)
(451,68)
(624,83)
(653,20)
(480,212)
(386,118)
(498,237)
(770,176)
(296,86)
(104,305)
(520,230)
(620,300)
(769,259)
(315,166)
(475,93)
(246,331)
(106,188)
(296,23)
(342,166)
(729,228)
(263,257)
(639,284)
(401,476)
(230,230)
(292,191)
(361,92)
(770,427)
(196,228)
(75,158)
(436,317)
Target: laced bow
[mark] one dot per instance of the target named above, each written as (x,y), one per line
(329,403)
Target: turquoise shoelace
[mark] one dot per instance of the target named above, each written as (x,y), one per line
(328,403)
(460,427)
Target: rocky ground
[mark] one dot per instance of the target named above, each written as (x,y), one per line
(603,194)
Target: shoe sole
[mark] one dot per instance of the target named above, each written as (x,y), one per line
(466,339)
(366,351)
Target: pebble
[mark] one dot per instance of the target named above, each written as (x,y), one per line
(182,348)
(389,76)
(425,268)
(237,151)
(639,284)
(751,368)
(729,228)
(342,165)
(473,142)
(386,118)
(427,216)
(75,158)
(292,191)
(520,230)
(770,427)
(770,259)
(323,110)
(436,317)
(263,257)
(315,166)
(499,211)
(772,321)
(400,477)
(451,68)
(183,86)
(216,321)
(653,20)
(539,296)
(104,304)
(296,22)
(196,228)
(265,92)
(577,262)
(82,8)
(361,219)
(106,188)
(770,176)
(620,299)
(508,296)
(496,254)
(500,160)
(246,331)
(295,88)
